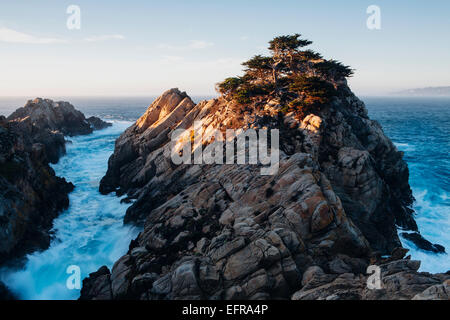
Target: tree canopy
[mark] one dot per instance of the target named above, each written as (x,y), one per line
(301,78)
(258,66)
(284,45)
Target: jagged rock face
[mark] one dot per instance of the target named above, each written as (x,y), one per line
(225,231)
(97,123)
(60,116)
(31,196)
(399,281)
(367,172)
(423,243)
(149,133)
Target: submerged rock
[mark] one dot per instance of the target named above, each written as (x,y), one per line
(423,243)
(97,123)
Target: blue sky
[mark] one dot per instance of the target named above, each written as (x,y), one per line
(130,48)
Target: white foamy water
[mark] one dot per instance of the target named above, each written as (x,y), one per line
(89,234)
(433,221)
(404,146)
(432,214)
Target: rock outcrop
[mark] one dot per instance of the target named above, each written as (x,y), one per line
(31,195)
(228,232)
(97,123)
(57,116)
(422,243)
(399,280)
(215,226)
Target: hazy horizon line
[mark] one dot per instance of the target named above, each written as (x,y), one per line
(193,95)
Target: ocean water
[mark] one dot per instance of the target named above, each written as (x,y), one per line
(91,232)
(114,108)
(420,127)
(87,235)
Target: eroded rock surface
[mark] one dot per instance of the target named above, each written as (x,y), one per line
(57,116)
(227,232)
(97,123)
(399,280)
(31,195)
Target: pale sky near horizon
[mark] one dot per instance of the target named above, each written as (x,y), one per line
(136,48)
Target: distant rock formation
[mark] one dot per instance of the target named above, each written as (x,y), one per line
(31,195)
(60,116)
(97,123)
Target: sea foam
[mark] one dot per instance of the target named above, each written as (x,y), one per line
(89,234)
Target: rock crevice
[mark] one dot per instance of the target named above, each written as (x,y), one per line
(227,232)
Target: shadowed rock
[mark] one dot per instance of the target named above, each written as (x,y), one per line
(5,294)
(227,232)
(423,243)
(97,123)
(399,280)
(31,195)
(57,116)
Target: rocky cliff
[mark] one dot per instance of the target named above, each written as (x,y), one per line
(309,231)
(225,231)
(31,195)
(57,116)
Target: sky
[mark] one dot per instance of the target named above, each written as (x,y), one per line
(142,48)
